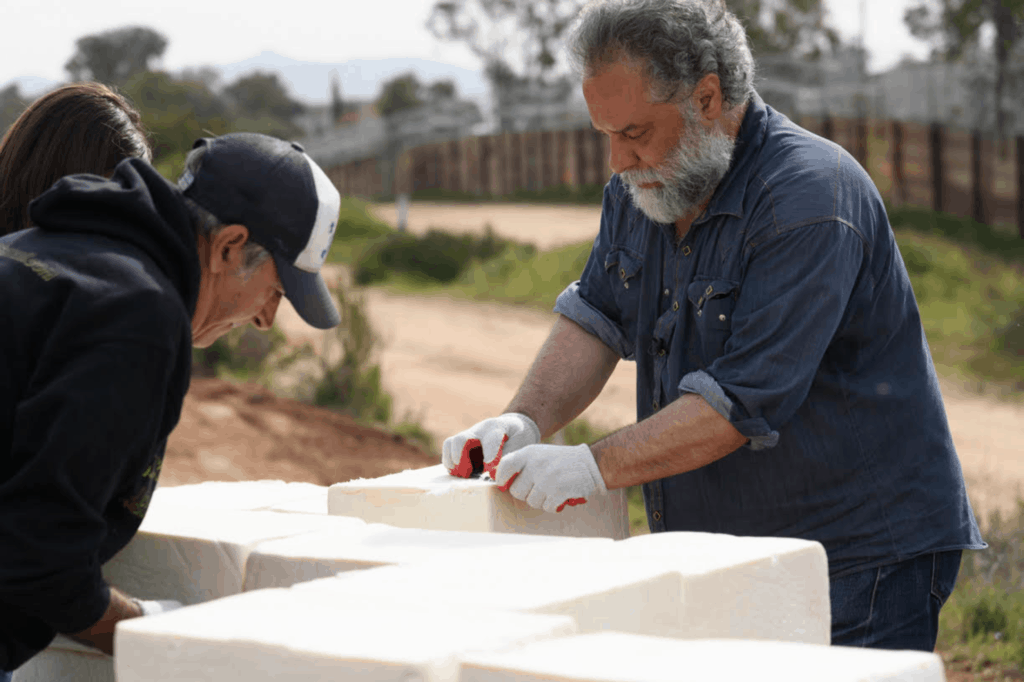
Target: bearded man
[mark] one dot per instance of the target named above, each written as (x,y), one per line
(784,384)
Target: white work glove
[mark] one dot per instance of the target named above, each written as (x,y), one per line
(549,477)
(490,439)
(151,608)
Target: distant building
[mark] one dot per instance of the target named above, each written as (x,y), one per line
(521,104)
(366,134)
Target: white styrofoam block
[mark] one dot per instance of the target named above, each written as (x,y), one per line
(621,657)
(280,634)
(606,595)
(728,586)
(431,498)
(285,562)
(234,495)
(314,503)
(65,660)
(744,587)
(193,555)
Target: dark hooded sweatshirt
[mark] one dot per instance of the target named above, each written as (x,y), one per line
(95,358)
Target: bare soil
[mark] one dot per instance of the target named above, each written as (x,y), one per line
(240,432)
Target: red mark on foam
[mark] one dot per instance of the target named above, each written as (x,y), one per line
(572,502)
(508,485)
(472,455)
(491,468)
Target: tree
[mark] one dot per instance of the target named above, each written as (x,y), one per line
(399,94)
(795,27)
(114,56)
(337,105)
(523,37)
(442,90)
(11,105)
(955,27)
(263,94)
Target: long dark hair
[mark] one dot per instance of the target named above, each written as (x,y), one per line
(78,128)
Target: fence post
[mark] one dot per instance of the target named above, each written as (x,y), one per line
(977,184)
(828,128)
(861,144)
(898,186)
(935,143)
(1020,185)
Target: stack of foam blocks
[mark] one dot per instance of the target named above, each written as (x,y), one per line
(421,576)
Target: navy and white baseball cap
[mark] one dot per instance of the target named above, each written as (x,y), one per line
(286,202)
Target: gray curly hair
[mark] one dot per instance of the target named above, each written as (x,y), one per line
(677,42)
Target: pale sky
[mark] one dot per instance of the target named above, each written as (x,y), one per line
(39,35)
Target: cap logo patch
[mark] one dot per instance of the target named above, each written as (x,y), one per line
(328,205)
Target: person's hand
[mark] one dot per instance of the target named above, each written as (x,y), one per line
(549,477)
(151,608)
(485,443)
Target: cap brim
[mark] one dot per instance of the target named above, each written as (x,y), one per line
(308,294)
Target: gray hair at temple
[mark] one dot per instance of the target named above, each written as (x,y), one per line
(209,226)
(677,42)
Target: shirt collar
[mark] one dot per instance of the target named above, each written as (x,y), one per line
(731,191)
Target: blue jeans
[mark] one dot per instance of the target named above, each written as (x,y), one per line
(895,606)
(5,677)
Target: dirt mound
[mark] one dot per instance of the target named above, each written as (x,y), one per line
(234,432)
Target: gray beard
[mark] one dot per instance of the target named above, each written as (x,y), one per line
(688,176)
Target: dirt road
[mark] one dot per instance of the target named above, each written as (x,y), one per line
(451,363)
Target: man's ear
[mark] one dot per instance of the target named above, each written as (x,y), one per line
(226,248)
(708,98)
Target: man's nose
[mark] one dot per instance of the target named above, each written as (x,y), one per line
(265,317)
(621,156)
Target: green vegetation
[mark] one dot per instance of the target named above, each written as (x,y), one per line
(437,256)
(981,628)
(969,283)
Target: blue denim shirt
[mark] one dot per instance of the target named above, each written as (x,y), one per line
(788,308)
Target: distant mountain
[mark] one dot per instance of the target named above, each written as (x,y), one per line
(360,78)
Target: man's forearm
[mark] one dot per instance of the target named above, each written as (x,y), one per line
(567,375)
(685,435)
(101,634)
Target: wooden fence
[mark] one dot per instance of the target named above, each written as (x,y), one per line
(947,169)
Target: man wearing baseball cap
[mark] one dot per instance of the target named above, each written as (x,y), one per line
(107,294)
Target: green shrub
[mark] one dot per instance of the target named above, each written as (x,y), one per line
(352,384)
(244,352)
(437,256)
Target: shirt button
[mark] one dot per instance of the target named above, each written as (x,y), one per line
(666,292)
(661,352)
(722,318)
(622,273)
(655,404)
(686,251)
(625,285)
(675,305)
(656,516)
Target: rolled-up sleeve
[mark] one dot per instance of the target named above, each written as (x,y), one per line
(572,304)
(792,300)
(589,301)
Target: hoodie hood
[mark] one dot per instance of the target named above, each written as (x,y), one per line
(136,205)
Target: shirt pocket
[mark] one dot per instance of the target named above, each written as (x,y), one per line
(712,304)
(624,269)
